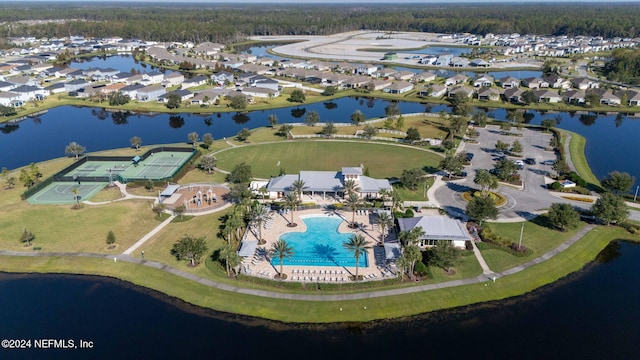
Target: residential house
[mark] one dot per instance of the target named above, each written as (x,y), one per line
(223,77)
(120,77)
(461,89)
(208,48)
(131,90)
(172,79)
(22,80)
(437,228)
(488,94)
(399,87)
(479,63)
(575,96)
(535,83)
(483,81)
(584,83)
(444,59)
(260,92)
(150,93)
(6,86)
(513,95)
(182,94)
(386,73)
(255,69)
(154,77)
(8,98)
(608,98)
(508,82)
(379,84)
(28,92)
(354,82)
(264,82)
(366,69)
(194,81)
(433,90)
(55,88)
(459,62)
(456,79)
(557,82)
(98,74)
(424,76)
(635,99)
(206,97)
(75,85)
(546,95)
(404,75)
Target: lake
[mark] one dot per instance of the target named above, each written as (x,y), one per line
(592,314)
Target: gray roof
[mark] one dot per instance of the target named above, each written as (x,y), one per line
(328,181)
(352,171)
(281,183)
(436,227)
(370,185)
(322,180)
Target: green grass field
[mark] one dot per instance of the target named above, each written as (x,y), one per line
(537,236)
(383,161)
(576,149)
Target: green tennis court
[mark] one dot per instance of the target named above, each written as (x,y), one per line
(61,192)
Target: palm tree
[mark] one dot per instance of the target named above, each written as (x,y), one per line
(230,257)
(281,250)
(359,246)
(403,264)
(350,187)
(260,214)
(486,181)
(411,237)
(353,201)
(291,202)
(385,220)
(396,200)
(298,186)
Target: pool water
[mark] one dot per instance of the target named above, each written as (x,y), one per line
(320,245)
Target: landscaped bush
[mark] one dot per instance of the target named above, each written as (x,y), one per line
(555,186)
(421,269)
(631,228)
(573,176)
(408,213)
(487,235)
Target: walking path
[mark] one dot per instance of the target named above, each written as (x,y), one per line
(306,297)
(149,235)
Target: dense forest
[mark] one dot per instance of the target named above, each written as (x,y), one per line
(624,66)
(231,23)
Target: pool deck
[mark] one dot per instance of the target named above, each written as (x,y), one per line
(259,266)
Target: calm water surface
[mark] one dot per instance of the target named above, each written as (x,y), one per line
(594,314)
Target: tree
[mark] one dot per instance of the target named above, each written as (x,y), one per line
(399,123)
(482,208)
(27,237)
(230,257)
(403,265)
(173,101)
(529,97)
(505,169)
(238,102)
(591,99)
(207,140)
(610,208)
(353,201)
(193,137)
(547,124)
(369,132)
(444,255)
(561,167)
(298,187)
(480,118)
(111,239)
(117,98)
(330,91)
(243,135)
(136,142)
(385,221)
(297,96)
(563,215)
(190,248)
(502,146)
(392,110)
(413,135)
(486,181)
(359,246)
(74,149)
(158,209)
(284,130)
(180,210)
(260,214)
(273,120)
(618,182)
(411,237)
(241,174)
(413,254)
(329,130)
(76,196)
(281,250)
(410,178)
(350,186)
(516,147)
(312,118)
(457,124)
(451,164)
(505,127)
(208,163)
(357,118)
(460,104)
(291,202)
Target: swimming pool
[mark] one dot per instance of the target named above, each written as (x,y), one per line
(320,245)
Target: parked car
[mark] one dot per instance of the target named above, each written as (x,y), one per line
(469,156)
(530,161)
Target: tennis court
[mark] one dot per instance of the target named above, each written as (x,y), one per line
(99,168)
(61,192)
(157,166)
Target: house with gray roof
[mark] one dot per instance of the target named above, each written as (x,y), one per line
(328,183)
(150,93)
(437,228)
(399,87)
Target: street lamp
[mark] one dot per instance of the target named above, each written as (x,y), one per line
(521,231)
(636,195)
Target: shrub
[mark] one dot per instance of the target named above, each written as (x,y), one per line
(398,214)
(573,176)
(421,269)
(555,186)
(408,213)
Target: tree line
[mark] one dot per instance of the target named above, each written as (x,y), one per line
(227,24)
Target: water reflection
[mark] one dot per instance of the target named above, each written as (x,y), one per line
(588,119)
(176,121)
(241,118)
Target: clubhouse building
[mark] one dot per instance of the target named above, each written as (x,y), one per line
(326,183)
(437,228)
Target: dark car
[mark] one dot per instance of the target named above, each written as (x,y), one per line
(469,156)
(530,161)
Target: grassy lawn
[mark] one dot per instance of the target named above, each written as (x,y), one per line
(407,194)
(576,150)
(537,236)
(559,266)
(383,161)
